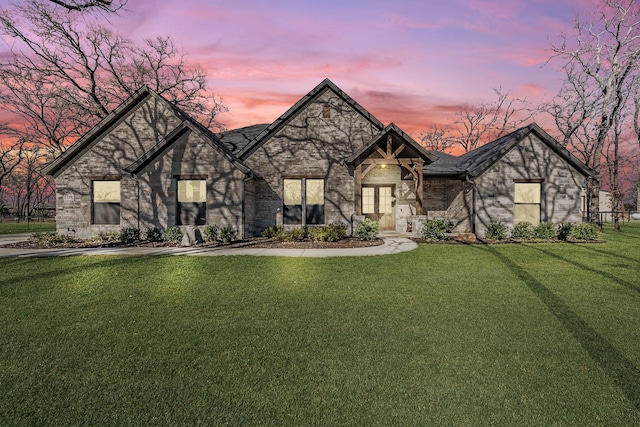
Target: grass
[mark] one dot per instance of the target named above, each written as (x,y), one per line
(10,226)
(515,334)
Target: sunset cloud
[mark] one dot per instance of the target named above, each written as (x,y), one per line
(412,63)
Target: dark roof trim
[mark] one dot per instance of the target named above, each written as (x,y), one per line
(392,127)
(165,143)
(477,170)
(72,152)
(326,84)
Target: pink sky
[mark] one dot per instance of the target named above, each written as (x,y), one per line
(407,62)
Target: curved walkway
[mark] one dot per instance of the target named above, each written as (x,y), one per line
(392,245)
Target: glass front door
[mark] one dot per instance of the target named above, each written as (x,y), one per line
(378,205)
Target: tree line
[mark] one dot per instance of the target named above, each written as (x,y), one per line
(67,69)
(596,112)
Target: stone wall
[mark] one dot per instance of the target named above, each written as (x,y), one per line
(531,159)
(153,192)
(119,146)
(313,143)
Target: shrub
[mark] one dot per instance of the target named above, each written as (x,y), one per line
(173,235)
(211,233)
(366,230)
(522,230)
(228,234)
(496,231)
(563,230)
(272,231)
(292,235)
(129,234)
(331,233)
(105,236)
(583,232)
(436,229)
(50,239)
(153,234)
(545,231)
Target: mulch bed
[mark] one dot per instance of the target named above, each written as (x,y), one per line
(256,242)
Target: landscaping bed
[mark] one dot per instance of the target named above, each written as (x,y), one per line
(256,242)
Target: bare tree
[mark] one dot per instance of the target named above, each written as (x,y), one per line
(436,139)
(476,125)
(488,121)
(66,72)
(600,61)
(11,154)
(82,5)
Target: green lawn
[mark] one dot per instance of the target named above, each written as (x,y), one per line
(518,334)
(11,226)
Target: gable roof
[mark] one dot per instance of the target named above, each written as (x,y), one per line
(188,123)
(236,139)
(70,154)
(475,162)
(166,143)
(326,84)
(404,137)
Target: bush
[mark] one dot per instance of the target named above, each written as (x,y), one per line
(436,229)
(545,231)
(228,234)
(292,235)
(50,239)
(330,233)
(105,236)
(211,233)
(583,232)
(153,234)
(173,235)
(522,230)
(496,231)
(272,231)
(563,230)
(366,230)
(129,234)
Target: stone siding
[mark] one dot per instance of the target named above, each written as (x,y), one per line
(531,159)
(153,193)
(311,144)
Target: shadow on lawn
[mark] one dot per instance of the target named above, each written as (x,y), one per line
(585,267)
(623,372)
(25,267)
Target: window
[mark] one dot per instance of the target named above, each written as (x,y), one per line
(192,202)
(310,207)
(314,201)
(527,202)
(106,202)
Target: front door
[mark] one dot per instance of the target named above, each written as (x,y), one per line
(378,205)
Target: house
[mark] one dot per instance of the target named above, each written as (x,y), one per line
(327,159)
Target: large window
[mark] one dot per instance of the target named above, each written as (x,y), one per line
(192,202)
(303,198)
(106,202)
(527,202)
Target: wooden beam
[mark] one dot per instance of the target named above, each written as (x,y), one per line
(390,161)
(358,192)
(367,170)
(398,150)
(419,188)
(382,153)
(389,147)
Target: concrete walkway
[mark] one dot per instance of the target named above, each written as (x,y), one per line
(392,245)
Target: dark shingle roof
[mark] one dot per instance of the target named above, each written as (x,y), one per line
(236,139)
(475,162)
(281,121)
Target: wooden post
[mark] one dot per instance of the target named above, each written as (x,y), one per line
(358,190)
(419,188)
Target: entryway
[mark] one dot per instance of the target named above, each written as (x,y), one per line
(378,205)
